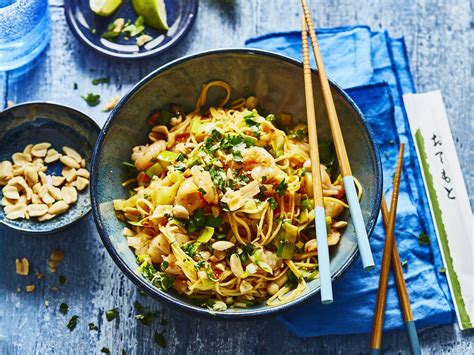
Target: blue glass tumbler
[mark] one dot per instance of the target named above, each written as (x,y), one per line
(24,31)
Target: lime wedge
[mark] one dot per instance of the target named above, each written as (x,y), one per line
(153,11)
(104,7)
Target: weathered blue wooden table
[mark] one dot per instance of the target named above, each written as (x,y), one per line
(438,35)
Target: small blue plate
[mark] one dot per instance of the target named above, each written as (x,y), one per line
(36,122)
(89,27)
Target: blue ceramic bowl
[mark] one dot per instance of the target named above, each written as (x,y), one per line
(89,27)
(35,122)
(277,82)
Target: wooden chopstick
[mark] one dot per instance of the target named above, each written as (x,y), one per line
(402,288)
(377,325)
(343,160)
(319,212)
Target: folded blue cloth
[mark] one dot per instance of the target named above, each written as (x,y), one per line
(374,70)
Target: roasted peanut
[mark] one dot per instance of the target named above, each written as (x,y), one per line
(46,217)
(55,192)
(52,155)
(81,183)
(16,211)
(58,180)
(72,154)
(21,159)
(84,173)
(27,149)
(36,209)
(11,192)
(69,174)
(69,194)
(31,175)
(6,170)
(40,149)
(58,208)
(69,162)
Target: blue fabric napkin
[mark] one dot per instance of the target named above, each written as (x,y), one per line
(374,70)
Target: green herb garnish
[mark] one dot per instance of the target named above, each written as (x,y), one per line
(281,188)
(201,190)
(72,323)
(135,29)
(75,86)
(91,99)
(273,203)
(442,270)
(423,239)
(147,318)
(159,279)
(160,339)
(138,306)
(100,81)
(63,307)
(110,34)
(105,350)
(111,314)
(405,264)
(92,326)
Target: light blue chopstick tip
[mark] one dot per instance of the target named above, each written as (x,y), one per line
(359,224)
(323,255)
(413,338)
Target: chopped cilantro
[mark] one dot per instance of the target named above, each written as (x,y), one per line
(300,134)
(159,279)
(405,264)
(196,221)
(91,99)
(273,203)
(327,155)
(160,339)
(63,307)
(214,222)
(201,190)
(105,350)
(164,265)
(249,121)
(218,177)
(111,314)
(271,117)
(92,326)
(135,29)
(180,157)
(129,165)
(199,264)
(138,306)
(110,34)
(62,280)
(72,323)
(281,187)
(147,318)
(100,81)
(423,239)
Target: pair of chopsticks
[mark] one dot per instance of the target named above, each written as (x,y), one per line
(343,160)
(391,256)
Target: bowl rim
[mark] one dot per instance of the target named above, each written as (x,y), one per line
(166,297)
(74,27)
(3,222)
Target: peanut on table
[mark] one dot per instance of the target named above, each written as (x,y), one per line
(30,192)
